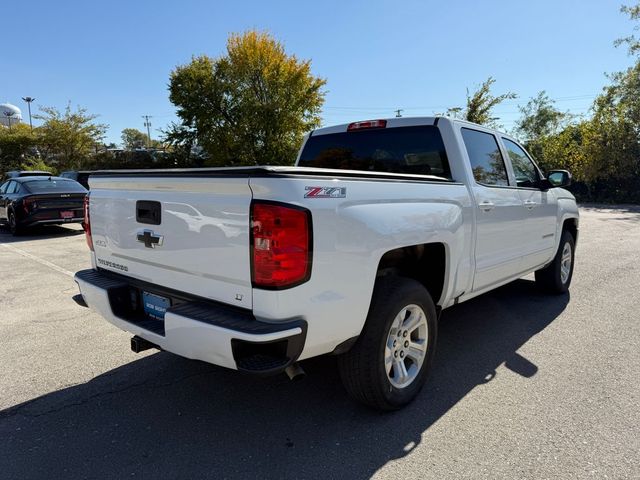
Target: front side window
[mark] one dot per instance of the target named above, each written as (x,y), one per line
(3,187)
(485,157)
(523,167)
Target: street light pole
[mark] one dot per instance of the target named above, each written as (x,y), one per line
(9,115)
(29,100)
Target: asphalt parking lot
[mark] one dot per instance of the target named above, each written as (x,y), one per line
(524,386)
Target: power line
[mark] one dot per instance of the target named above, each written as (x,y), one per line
(428,107)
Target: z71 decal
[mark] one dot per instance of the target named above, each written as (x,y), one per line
(325,192)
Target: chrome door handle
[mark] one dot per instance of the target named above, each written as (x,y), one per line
(530,204)
(486,206)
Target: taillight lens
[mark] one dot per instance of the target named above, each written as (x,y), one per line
(87,223)
(280,245)
(29,204)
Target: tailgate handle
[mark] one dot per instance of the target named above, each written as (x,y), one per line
(148,211)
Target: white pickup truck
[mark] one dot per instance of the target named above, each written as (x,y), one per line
(354,251)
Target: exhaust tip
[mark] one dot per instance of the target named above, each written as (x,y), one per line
(295,372)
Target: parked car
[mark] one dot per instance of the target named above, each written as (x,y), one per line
(354,252)
(25,173)
(38,200)
(81,176)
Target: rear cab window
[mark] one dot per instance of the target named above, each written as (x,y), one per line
(53,186)
(416,150)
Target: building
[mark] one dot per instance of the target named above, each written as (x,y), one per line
(9,114)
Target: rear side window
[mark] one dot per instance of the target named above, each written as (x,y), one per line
(13,187)
(414,150)
(485,157)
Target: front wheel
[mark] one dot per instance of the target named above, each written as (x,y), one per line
(389,363)
(556,277)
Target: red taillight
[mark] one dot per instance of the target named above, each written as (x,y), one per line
(281,245)
(87,223)
(29,204)
(366,124)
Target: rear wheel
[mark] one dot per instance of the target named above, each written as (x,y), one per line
(389,364)
(14,228)
(556,277)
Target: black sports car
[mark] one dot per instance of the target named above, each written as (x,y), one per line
(28,201)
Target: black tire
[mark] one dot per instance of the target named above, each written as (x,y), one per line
(550,279)
(14,228)
(362,368)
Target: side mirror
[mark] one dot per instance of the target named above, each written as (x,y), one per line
(559,178)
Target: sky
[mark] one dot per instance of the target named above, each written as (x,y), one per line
(114,58)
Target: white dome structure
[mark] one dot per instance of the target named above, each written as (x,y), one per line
(9,114)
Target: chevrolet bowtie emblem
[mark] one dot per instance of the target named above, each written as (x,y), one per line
(149,239)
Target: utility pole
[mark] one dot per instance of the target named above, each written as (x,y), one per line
(29,100)
(398,112)
(9,115)
(147,124)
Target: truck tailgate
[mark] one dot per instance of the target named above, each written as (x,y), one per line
(199,244)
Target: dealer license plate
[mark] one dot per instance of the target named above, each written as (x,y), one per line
(155,306)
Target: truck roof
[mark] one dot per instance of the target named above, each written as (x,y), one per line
(393,122)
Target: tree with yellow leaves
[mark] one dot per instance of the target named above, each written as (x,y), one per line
(250,106)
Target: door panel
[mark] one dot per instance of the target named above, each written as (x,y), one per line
(539,216)
(538,227)
(498,251)
(498,211)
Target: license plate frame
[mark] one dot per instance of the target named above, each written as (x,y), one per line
(66,214)
(155,306)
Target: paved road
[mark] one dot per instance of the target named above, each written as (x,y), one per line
(525,386)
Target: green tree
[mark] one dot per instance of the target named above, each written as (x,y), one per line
(17,145)
(540,118)
(133,139)
(36,163)
(603,151)
(67,139)
(481,103)
(250,106)
(616,119)
(632,42)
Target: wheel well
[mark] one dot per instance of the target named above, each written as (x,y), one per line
(571,225)
(425,263)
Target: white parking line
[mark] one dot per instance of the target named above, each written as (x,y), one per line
(42,261)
